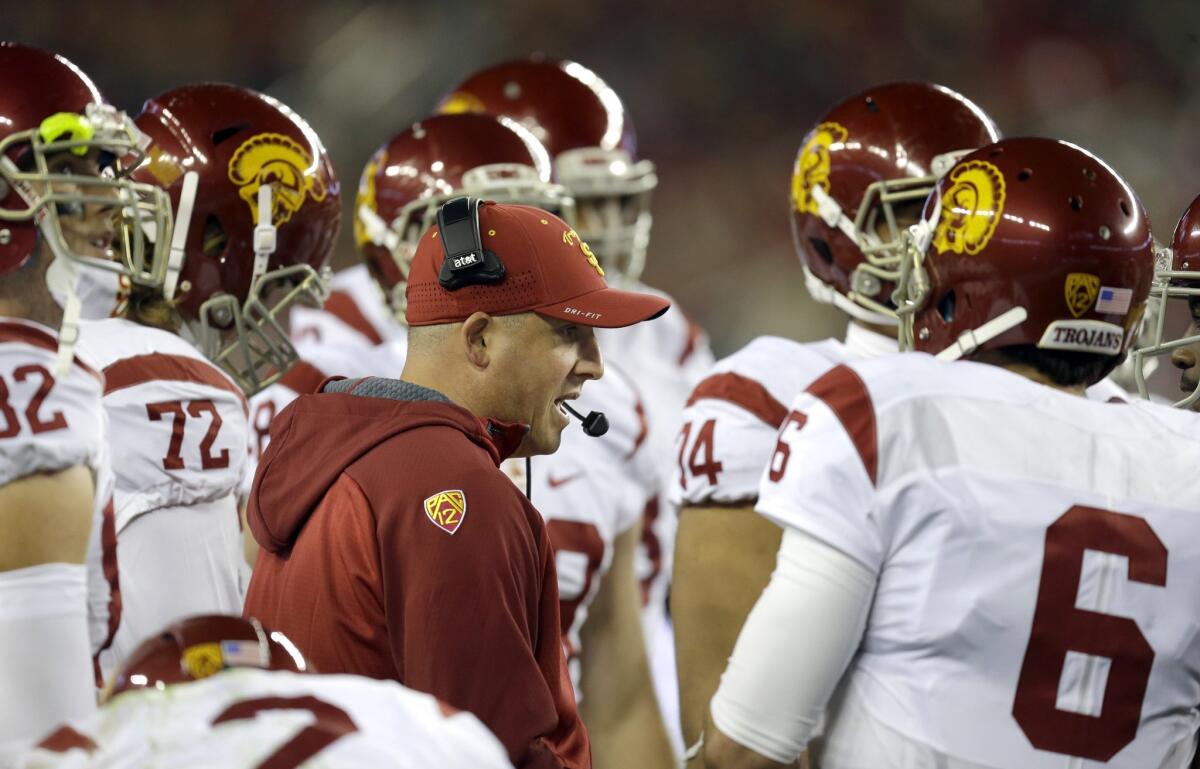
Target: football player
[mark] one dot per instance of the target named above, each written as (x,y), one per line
(66,209)
(1177,276)
(975,556)
(861,176)
(258,212)
(594,489)
(224,692)
(593,145)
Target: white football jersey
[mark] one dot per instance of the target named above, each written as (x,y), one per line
(732,418)
(354,315)
(178,422)
(666,357)
(51,423)
(245,719)
(592,490)
(1038,561)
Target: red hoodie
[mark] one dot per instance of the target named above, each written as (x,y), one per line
(394,547)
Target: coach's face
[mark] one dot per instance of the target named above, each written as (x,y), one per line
(537,363)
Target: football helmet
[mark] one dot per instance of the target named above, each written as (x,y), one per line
(65,158)
(201,646)
(441,157)
(257,214)
(1027,241)
(591,139)
(1176,276)
(865,161)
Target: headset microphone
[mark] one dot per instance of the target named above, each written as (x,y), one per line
(595,423)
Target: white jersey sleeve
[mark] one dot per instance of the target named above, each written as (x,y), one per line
(48,421)
(179,422)
(732,417)
(245,719)
(1023,538)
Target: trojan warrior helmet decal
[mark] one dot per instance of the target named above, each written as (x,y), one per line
(366,197)
(812,165)
(281,162)
(971,207)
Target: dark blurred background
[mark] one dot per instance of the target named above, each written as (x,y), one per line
(721,94)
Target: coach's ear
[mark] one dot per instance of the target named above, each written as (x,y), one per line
(474,335)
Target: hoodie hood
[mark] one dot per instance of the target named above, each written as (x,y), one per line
(318,436)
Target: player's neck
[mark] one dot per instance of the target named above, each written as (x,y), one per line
(1032,374)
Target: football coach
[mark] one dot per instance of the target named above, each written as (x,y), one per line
(392,545)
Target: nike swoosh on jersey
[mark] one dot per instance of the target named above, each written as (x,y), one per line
(554,483)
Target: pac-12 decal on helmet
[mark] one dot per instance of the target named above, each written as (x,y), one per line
(257,226)
(1055,252)
(202,646)
(866,165)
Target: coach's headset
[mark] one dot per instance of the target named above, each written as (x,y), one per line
(467,263)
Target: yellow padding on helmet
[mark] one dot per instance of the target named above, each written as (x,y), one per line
(67,126)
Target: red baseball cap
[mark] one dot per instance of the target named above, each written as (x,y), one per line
(548,270)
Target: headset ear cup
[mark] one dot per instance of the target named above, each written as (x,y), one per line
(465,262)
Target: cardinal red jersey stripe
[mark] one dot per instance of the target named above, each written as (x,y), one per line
(31,335)
(741,391)
(846,395)
(157,366)
(342,306)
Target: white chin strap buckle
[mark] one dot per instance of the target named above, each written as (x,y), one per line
(264,234)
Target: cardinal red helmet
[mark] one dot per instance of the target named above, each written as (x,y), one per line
(425,165)
(48,108)
(864,162)
(591,138)
(1177,276)
(257,232)
(1027,242)
(198,647)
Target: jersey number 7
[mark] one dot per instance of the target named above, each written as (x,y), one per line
(1060,628)
(330,724)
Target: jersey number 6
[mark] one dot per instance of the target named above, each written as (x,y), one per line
(1060,627)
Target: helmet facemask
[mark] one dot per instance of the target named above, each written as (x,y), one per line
(1153,340)
(612,193)
(250,341)
(141,212)
(881,234)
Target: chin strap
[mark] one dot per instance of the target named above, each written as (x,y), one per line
(972,339)
(183,221)
(694,749)
(68,330)
(264,235)
(529,478)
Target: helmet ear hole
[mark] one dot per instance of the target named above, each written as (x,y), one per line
(215,239)
(822,249)
(946,306)
(228,132)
